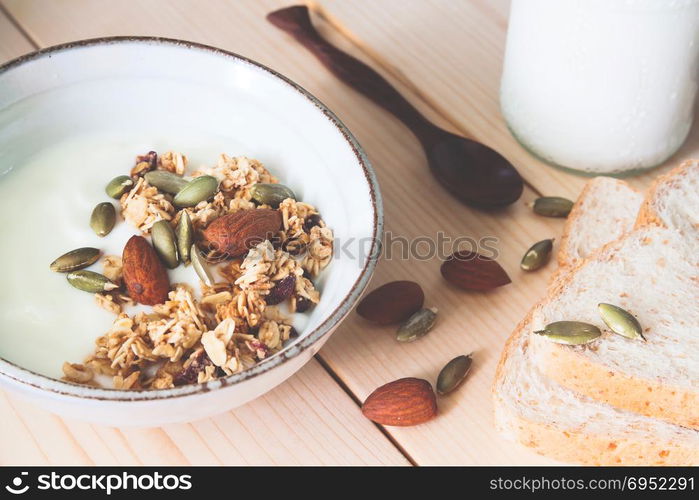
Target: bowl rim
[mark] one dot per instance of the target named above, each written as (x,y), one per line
(33,380)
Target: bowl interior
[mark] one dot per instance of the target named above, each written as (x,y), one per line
(98,105)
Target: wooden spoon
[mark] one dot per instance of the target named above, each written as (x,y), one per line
(474,173)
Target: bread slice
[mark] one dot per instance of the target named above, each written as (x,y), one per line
(654,274)
(554,421)
(673,200)
(537,411)
(605,210)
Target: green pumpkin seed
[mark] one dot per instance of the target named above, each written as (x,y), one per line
(570,332)
(185,235)
(453,374)
(537,256)
(552,206)
(197,190)
(201,266)
(166,181)
(620,321)
(118,186)
(88,281)
(75,259)
(103,219)
(416,326)
(271,194)
(164,243)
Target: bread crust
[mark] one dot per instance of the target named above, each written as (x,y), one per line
(647,214)
(564,257)
(676,405)
(565,366)
(590,449)
(572,445)
(571,369)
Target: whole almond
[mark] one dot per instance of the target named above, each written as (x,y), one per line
(145,276)
(472,271)
(392,303)
(236,233)
(403,402)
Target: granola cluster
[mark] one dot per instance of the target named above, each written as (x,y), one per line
(237,175)
(144,205)
(226,326)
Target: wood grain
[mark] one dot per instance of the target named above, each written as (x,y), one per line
(306,420)
(296,422)
(13,44)
(453,52)
(474,173)
(365,357)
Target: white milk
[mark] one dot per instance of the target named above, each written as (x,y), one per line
(601,86)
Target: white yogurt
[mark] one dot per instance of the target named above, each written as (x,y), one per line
(59,149)
(44,320)
(601,86)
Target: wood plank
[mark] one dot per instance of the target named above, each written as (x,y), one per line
(51,434)
(364,357)
(297,418)
(453,52)
(307,420)
(12,42)
(21,445)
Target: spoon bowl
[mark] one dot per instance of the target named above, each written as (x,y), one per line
(472,172)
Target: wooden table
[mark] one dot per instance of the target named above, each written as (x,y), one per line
(446,57)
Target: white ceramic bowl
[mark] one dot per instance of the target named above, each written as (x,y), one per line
(156,87)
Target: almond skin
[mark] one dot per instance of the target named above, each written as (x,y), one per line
(472,271)
(145,276)
(403,402)
(392,303)
(236,233)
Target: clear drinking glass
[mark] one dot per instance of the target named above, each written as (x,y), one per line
(601,86)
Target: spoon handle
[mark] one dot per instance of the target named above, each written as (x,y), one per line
(297,22)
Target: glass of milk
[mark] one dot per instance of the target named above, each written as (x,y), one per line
(601,86)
